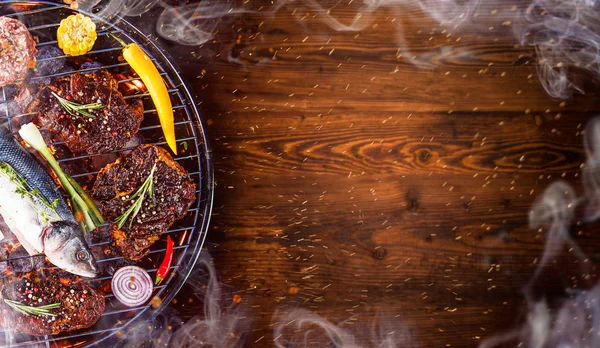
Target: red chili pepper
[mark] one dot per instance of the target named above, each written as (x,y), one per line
(166,263)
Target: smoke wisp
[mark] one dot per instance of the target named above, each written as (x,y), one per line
(556,206)
(573,322)
(306,327)
(591,170)
(303,328)
(190,24)
(222,323)
(564,33)
(194,24)
(566,36)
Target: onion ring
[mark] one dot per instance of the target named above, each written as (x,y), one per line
(132,286)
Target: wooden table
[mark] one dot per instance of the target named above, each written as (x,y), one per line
(365,187)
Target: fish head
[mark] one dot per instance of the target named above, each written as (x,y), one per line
(66,248)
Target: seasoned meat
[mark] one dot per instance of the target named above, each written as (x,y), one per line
(174,192)
(111,127)
(80,305)
(17,50)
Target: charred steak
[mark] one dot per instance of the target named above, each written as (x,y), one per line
(17,50)
(80,305)
(174,192)
(110,128)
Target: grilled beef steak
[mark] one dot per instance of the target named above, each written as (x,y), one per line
(174,192)
(80,305)
(109,129)
(17,50)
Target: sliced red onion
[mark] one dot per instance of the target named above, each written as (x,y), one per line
(132,286)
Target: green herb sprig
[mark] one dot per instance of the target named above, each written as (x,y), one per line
(33,196)
(146,188)
(28,310)
(75,108)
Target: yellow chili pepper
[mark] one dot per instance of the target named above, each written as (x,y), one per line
(145,68)
(76,35)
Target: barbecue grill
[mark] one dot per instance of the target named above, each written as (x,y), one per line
(42,18)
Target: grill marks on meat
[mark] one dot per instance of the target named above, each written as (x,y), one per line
(174,192)
(17,50)
(113,126)
(80,305)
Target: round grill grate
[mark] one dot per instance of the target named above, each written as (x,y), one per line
(42,19)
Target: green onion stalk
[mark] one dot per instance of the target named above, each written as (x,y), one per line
(81,201)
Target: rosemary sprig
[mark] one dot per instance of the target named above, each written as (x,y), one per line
(33,196)
(74,108)
(146,188)
(27,310)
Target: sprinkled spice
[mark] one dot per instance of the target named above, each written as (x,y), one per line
(53,302)
(174,191)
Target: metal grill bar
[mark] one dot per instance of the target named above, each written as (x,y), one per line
(118,258)
(171,91)
(94,332)
(36,78)
(54,42)
(126,149)
(197,153)
(137,78)
(176,107)
(141,129)
(36,11)
(114,312)
(94,173)
(181,229)
(45,26)
(175,230)
(91,52)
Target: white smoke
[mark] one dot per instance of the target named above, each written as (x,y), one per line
(221,323)
(225,323)
(574,324)
(302,328)
(109,9)
(576,321)
(556,206)
(591,170)
(566,36)
(190,24)
(564,33)
(194,24)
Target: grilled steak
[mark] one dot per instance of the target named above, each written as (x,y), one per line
(111,126)
(80,305)
(174,192)
(17,50)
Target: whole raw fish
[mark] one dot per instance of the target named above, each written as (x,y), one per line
(36,212)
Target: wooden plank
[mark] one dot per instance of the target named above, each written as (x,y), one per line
(358,184)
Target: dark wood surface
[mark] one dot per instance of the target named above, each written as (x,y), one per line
(354,184)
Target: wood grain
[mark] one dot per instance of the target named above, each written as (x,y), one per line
(368,183)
